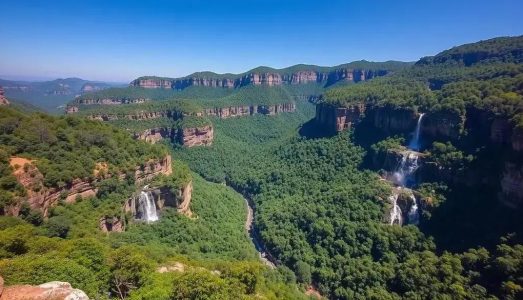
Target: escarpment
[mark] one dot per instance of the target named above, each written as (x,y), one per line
(110,101)
(140,115)
(270,78)
(189,137)
(41,197)
(248,110)
(387,119)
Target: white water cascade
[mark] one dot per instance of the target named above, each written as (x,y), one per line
(414,143)
(147,207)
(395,213)
(403,176)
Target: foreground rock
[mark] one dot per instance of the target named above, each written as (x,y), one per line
(54,290)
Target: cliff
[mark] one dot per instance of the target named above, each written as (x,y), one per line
(137,116)
(335,119)
(189,137)
(248,110)
(512,185)
(198,136)
(3,99)
(325,76)
(40,197)
(110,101)
(164,197)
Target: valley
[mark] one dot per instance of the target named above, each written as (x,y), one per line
(365,180)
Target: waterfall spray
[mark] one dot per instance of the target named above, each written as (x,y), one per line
(403,176)
(147,207)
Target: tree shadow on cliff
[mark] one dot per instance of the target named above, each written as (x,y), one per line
(312,130)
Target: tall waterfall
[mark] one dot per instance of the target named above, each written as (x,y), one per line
(403,176)
(147,207)
(414,143)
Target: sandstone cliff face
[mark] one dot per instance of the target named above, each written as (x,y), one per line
(111,224)
(154,83)
(336,119)
(189,137)
(40,197)
(198,136)
(3,99)
(442,125)
(248,110)
(54,290)
(262,78)
(512,185)
(110,101)
(138,116)
(153,168)
(393,120)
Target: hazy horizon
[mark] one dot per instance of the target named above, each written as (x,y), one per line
(118,41)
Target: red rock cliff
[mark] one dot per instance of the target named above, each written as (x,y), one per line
(40,197)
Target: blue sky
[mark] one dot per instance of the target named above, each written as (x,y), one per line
(120,40)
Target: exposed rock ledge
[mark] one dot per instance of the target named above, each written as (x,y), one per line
(189,137)
(42,198)
(249,110)
(54,290)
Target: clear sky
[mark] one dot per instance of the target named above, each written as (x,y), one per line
(119,40)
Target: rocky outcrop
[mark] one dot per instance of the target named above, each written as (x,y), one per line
(54,290)
(3,99)
(197,136)
(248,110)
(111,224)
(71,109)
(443,125)
(512,185)
(189,137)
(273,78)
(153,83)
(109,101)
(335,119)
(138,115)
(153,168)
(40,197)
(393,120)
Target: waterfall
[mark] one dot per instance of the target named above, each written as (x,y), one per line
(413,216)
(403,176)
(414,143)
(395,213)
(147,207)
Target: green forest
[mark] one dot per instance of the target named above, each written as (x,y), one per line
(321,201)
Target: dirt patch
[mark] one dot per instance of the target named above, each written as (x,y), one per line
(313,292)
(17,163)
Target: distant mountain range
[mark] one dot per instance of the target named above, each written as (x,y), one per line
(51,95)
